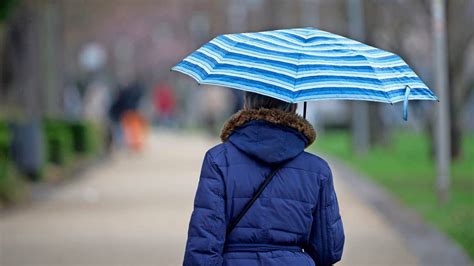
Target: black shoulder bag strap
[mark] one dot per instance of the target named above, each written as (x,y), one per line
(249,204)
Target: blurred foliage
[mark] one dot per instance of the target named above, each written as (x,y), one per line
(5,138)
(59,141)
(67,144)
(85,138)
(12,187)
(407,170)
(6,6)
(66,140)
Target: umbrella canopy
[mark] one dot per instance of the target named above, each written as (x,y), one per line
(303,64)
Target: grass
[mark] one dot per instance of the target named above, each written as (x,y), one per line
(406,169)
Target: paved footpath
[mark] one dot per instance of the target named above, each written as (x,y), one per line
(134,210)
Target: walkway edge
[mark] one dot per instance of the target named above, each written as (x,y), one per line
(431,246)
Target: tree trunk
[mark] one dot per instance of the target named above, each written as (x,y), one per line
(2,51)
(456,124)
(459,14)
(379,132)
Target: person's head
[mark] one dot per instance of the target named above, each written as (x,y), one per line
(257,101)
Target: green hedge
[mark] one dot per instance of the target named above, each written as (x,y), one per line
(66,139)
(12,187)
(5,139)
(59,141)
(85,137)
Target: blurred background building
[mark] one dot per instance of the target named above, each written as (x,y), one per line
(52,48)
(80,79)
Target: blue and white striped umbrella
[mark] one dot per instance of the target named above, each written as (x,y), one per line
(304,64)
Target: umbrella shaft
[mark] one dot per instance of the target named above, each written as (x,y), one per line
(304,109)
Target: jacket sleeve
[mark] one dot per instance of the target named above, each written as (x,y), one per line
(326,239)
(207,227)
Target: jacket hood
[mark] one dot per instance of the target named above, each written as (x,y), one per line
(269,135)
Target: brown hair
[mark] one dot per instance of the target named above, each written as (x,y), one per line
(257,101)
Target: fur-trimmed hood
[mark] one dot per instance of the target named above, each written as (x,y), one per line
(269,134)
(273,116)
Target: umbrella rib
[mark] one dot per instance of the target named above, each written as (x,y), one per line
(220,60)
(361,53)
(296,74)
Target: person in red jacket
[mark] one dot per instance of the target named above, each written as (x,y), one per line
(164,101)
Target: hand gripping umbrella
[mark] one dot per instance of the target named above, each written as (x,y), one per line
(303,64)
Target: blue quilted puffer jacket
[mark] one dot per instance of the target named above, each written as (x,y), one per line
(296,219)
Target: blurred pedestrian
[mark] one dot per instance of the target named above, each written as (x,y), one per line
(72,103)
(96,102)
(215,104)
(294,221)
(124,117)
(164,100)
(134,130)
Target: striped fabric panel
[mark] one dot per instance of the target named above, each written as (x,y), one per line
(294,84)
(304,64)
